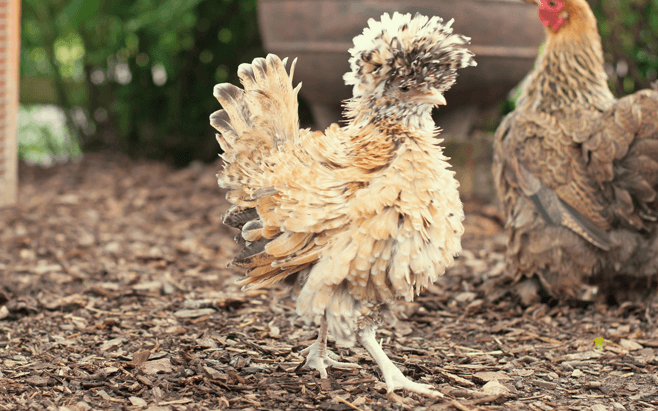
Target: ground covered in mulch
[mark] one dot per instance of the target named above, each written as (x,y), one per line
(115,295)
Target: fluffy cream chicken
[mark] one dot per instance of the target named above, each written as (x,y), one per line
(358,216)
(577,171)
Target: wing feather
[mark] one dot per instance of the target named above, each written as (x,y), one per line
(616,179)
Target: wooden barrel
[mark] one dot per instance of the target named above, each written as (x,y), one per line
(505,38)
(9,61)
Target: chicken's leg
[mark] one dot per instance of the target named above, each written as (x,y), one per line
(319,357)
(392,375)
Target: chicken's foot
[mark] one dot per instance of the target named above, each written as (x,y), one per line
(319,357)
(393,377)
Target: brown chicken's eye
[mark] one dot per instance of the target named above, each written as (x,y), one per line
(404,89)
(552,3)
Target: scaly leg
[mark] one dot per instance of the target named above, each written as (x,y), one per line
(319,357)
(392,375)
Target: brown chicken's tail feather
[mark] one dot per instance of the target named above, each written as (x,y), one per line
(634,124)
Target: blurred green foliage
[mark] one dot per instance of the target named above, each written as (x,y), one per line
(629,32)
(43,137)
(147,66)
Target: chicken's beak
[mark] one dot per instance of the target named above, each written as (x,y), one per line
(434,97)
(535,2)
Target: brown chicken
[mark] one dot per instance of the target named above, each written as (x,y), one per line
(358,216)
(576,171)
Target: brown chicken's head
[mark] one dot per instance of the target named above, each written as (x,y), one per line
(567,17)
(406,60)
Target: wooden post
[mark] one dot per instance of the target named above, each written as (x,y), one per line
(10,24)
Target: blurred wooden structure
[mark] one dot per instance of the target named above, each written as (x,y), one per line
(505,41)
(9,73)
(320,32)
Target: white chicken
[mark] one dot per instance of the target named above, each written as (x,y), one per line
(358,216)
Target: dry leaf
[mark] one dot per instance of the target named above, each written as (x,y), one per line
(157,366)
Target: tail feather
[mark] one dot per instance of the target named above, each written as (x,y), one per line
(635,181)
(288,243)
(269,90)
(253,124)
(302,259)
(254,255)
(254,119)
(227,134)
(254,283)
(269,74)
(234,104)
(238,216)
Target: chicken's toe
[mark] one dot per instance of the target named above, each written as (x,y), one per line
(332,355)
(395,380)
(318,357)
(393,377)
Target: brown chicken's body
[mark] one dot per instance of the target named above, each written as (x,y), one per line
(577,171)
(359,216)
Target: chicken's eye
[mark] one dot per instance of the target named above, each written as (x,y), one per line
(552,3)
(404,89)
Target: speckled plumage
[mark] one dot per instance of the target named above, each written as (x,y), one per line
(402,51)
(577,171)
(358,216)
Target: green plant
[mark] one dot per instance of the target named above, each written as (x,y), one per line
(43,138)
(629,32)
(147,67)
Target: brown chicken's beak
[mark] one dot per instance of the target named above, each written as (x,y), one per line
(535,2)
(434,98)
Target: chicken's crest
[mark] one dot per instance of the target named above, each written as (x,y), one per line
(409,52)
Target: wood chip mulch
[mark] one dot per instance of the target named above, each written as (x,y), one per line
(114,295)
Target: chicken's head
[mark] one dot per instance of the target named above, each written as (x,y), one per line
(556,14)
(552,13)
(405,60)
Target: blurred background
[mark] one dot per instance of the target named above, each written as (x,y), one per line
(136,76)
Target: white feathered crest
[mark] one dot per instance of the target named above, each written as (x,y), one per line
(419,50)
